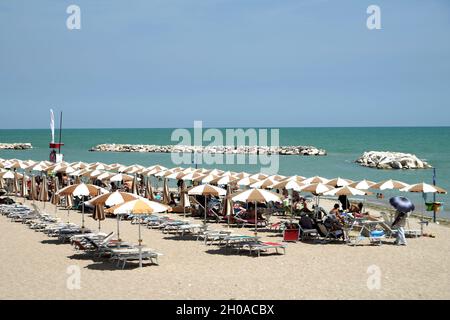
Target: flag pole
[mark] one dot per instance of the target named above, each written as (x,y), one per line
(434,196)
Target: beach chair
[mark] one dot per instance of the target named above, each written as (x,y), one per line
(330,235)
(306,234)
(132,254)
(260,246)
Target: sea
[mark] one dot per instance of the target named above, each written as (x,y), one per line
(344,146)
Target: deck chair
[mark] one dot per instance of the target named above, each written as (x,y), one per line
(308,234)
(329,235)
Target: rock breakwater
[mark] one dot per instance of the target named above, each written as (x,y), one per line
(282,150)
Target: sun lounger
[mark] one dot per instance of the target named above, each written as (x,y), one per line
(183,229)
(132,254)
(212,235)
(260,246)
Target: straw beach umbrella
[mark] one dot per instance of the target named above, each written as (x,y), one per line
(256,196)
(207,190)
(139,206)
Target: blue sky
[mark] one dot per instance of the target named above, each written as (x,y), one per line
(230,63)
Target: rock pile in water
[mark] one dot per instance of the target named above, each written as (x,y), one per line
(392,160)
(15,146)
(283,150)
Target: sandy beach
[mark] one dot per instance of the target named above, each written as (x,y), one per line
(35,266)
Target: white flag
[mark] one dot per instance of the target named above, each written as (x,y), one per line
(52,125)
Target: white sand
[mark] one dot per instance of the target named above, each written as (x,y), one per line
(34,266)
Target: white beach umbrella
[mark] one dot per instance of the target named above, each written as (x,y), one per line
(176,175)
(115,166)
(315,188)
(424,188)
(256,196)
(215,172)
(40,166)
(111,199)
(78,165)
(192,176)
(225,180)
(346,191)
(242,175)
(315,180)
(288,185)
(264,184)
(339,182)
(206,190)
(19,164)
(105,176)
(247,181)
(389,185)
(121,177)
(98,166)
(139,206)
(81,190)
(153,170)
(259,176)
(210,177)
(362,185)
(133,169)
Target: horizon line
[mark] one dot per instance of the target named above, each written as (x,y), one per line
(243,127)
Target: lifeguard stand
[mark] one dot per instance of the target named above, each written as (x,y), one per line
(55,156)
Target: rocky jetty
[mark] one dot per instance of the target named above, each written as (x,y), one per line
(15,146)
(391,160)
(283,150)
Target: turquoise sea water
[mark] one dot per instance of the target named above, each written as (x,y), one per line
(344,145)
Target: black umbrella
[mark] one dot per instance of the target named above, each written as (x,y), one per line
(402,204)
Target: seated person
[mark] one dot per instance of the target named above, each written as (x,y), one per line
(238,209)
(321,213)
(334,218)
(305,207)
(306,222)
(357,210)
(172,201)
